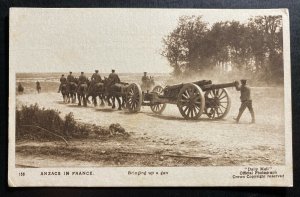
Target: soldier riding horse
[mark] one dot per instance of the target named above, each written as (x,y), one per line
(115,89)
(82,90)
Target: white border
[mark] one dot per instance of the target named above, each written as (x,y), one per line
(177,176)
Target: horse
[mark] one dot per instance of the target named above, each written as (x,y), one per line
(82,94)
(64,92)
(96,90)
(72,87)
(116,91)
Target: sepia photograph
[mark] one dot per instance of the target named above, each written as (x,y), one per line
(149,97)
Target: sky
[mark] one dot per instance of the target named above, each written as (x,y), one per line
(127,40)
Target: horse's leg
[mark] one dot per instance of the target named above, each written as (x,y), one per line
(79,99)
(119,102)
(113,101)
(84,97)
(95,100)
(123,101)
(101,97)
(73,94)
(108,97)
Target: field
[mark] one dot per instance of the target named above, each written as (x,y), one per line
(158,140)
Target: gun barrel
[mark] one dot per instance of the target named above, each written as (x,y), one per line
(218,86)
(202,83)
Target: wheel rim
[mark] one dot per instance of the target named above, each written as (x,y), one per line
(159,107)
(134,98)
(218,103)
(191,101)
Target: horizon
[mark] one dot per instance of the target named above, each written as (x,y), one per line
(128,40)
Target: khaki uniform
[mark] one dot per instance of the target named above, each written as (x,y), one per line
(62,80)
(70,78)
(145,79)
(114,77)
(246,102)
(96,78)
(82,79)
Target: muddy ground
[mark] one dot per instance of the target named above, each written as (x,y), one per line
(164,140)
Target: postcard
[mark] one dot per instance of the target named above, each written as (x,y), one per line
(149,97)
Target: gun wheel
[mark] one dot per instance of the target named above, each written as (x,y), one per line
(191,101)
(218,103)
(158,108)
(134,98)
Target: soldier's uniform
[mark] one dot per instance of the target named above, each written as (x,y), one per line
(70,78)
(246,101)
(82,79)
(114,77)
(145,79)
(62,80)
(96,78)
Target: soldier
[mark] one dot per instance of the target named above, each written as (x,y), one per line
(38,87)
(96,78)
(20,88)
(245,99)
(70,78)
(145,78)
(82,79)
(62,80)
(114,77)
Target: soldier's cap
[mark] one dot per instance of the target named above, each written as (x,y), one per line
(145,72)
(70,72)
(243,80)
(81,72)
(96,71)
(113,70)
(62,75)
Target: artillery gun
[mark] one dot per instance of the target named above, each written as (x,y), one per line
(192,99)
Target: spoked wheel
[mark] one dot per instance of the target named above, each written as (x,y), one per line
(134,98)
(218,103)
(158,108)
(191,101)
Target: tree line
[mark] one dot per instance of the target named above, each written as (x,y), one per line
(254,48)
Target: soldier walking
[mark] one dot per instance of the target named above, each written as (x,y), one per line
(38,87)
(245,99)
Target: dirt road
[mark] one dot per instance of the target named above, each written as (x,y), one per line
(224,142)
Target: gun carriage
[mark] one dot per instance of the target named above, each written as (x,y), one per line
(192,99)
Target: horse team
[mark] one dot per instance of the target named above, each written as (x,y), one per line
(107,90)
